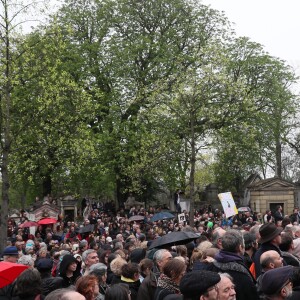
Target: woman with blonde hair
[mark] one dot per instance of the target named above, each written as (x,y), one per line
(116,266)
(197,255)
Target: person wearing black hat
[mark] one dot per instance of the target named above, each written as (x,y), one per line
(270,239)
(200,285)
(295,278)
(276,284)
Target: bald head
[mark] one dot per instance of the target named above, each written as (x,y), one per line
(270,260)
(64,294)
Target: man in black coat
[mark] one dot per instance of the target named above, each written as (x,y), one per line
(177,201)
(230,260)
(278,216)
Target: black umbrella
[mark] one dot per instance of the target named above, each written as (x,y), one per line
(163,215)
(87,228)
(174,238)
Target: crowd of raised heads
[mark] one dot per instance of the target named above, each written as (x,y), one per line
(109,256)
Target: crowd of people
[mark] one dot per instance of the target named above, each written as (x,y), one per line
(109,256)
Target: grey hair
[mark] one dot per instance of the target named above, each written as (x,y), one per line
(215,236)
(119,245)
(119,235)
(86,253)
(98,266)
(231,241)
(255,230)
(26,260)
(159,254)
(83,243)
(226,275)
(295,228)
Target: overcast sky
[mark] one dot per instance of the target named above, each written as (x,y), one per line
(273,23)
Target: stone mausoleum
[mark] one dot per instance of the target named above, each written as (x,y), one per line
(268,193)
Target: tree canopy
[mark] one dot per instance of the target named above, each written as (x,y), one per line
(111,97)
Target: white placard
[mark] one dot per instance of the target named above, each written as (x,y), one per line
(228,204)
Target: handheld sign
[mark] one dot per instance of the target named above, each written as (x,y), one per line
(228,204)
(181,218)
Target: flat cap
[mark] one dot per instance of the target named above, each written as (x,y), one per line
(274,280)
(196,283)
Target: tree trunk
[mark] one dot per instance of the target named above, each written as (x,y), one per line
(47,185)
(193,167)
(5,129)
(5,199)
(119,195)
(23,200)
(278,167)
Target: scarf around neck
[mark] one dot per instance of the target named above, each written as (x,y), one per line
(166,283)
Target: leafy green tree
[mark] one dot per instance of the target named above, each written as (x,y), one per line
(253,142)
(132,46)
(54,137)
(12,15)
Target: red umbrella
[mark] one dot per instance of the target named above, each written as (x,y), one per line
(47,221)
(28,224)
(9,272)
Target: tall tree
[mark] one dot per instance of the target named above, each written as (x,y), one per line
(11,16)
(254,142)
(57,110)
(140,44)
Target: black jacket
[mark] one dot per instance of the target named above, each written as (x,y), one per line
(133,287)
(65,263)
(233,264)
(148,287)
(50,284)
(263,248)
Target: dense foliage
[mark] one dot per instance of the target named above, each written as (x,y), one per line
(111,97)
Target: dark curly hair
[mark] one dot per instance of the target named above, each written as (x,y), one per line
(29,283)
(129,270)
